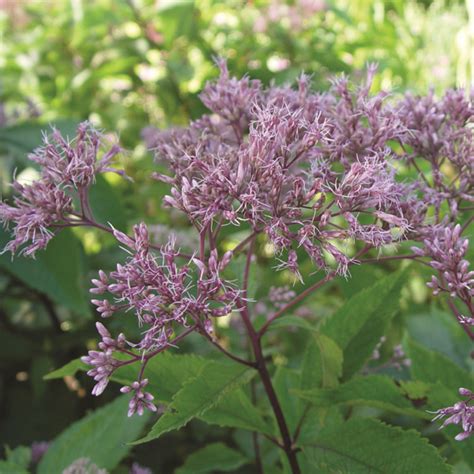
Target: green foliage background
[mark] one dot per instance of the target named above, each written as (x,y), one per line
(129,64)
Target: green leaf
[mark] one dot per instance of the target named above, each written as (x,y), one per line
(199,394)
(101,436)
(414,389)
(378,391)
(59,271)
(321,368)
(364,445)
(25,137)
(166,373)
(283,380)
(293,321)
(106,204)
(431,367)
(444,378)
(445,335)
(362,276)
(317,419)
(461,468)
(21,456)
(212,458)
(362,321)
(69,369)
(12,468)
(322,363)
(235,410)
(432,397)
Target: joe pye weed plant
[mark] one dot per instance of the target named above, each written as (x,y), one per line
(317,185)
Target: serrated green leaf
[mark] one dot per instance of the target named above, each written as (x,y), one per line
(365,445)
(199,394)
(362,321)
(101,436)
(444,378)
(378,391)
(321,368)
(59,271)
(414,389)
(235,410)
(212,458)
(322,363)
(166,373)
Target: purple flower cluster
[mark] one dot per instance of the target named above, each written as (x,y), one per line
(306,169)
(159,291)
(140,399)
(102,361)
(163,298)
(447,249)
(67,170)
(461,413)
(440,132)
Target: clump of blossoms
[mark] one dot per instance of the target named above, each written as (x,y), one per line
(321,175)
(68,169)
(275,163)
(163,297)
(461,413)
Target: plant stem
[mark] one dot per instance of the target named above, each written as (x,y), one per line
(225,351)
(270,391)
(248,262)
(256,443)
(280,418)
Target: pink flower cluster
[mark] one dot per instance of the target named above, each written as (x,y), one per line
(68,168)
(439,132)
(461,413)
(447,249)
(309,170)
(159,291)
(163,297)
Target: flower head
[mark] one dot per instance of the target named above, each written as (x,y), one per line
(140,400)
(68,168)
(461,413)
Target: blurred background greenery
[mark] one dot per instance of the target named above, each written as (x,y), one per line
(129,64)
